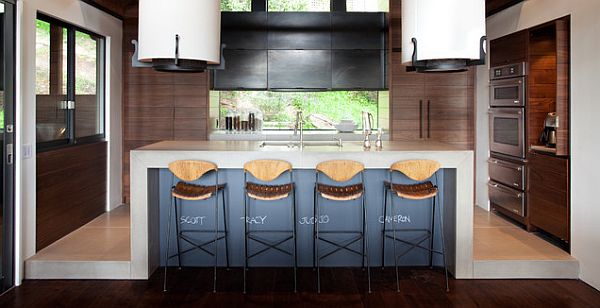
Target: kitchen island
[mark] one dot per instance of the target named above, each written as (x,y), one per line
(150,184)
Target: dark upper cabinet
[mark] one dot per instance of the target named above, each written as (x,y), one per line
(244,30)
(358,30)
(299,69)
(244,69)
(303,50)
(357,69)
(509,49)
(299,30)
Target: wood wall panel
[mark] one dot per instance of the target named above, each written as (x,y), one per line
(563,76)
(70,188)
(158,106)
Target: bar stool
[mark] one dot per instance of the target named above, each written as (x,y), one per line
(267,171)
(420,171)
(189,171)
(340,171)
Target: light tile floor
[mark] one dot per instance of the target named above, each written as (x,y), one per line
(106,238)
(495,238)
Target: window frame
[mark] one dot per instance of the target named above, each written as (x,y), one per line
(71,139)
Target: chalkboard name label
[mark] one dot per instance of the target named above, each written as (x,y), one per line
(255,220)
(323,219)
(395,219)
(192,220)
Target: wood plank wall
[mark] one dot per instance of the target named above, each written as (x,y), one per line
(156,105)
(70,188)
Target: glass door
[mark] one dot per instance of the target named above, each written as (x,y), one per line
(7,77)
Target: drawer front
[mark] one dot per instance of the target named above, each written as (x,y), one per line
(507,198)
(507,173)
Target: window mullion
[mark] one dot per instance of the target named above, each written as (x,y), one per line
(71,83)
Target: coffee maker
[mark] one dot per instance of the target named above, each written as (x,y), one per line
(548,137)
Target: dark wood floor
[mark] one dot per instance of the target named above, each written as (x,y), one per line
(272,288)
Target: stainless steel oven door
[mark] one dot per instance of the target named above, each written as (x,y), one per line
(507,131)
(507,92)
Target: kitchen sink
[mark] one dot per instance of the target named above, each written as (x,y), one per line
(296,144)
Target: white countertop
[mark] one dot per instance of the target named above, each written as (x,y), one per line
(234,154)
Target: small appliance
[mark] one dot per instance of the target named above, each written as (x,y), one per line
(548,137)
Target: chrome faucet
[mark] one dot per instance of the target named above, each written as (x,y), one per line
(299,125)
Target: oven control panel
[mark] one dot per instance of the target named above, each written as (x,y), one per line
(508,71)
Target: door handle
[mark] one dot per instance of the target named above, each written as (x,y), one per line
(421,119)
(9,154)
(428,119)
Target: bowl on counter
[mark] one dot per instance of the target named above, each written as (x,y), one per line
(346,126)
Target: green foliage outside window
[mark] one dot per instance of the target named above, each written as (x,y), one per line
(321,109)
(236,5)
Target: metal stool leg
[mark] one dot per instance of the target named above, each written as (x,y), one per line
(314,227)
(363,232)
(443,244)
(317,246)
(245,238)
(394,243)
(225,227)
(383,233)
(216,236)
(167,250)
(177,206)
(295,241)
(366,242)
(431,233)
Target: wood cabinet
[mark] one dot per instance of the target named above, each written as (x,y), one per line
(509,49)
(432,106)
(548,194)
(545,49)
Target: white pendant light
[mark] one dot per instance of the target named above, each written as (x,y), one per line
(179,35)
(443,35)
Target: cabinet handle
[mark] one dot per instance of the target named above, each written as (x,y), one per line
(497,162)
(428,119)
(506,190)
(421,119)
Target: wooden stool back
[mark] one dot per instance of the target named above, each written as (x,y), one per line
(191,170)
(340,170)
(418,169)
(267,170)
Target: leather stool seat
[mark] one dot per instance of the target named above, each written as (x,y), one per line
(268,192)
(341,193)
(418,191)
(193,192)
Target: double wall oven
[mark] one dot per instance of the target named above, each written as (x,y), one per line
(508,97)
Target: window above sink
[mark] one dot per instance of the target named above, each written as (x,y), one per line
(276,111)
